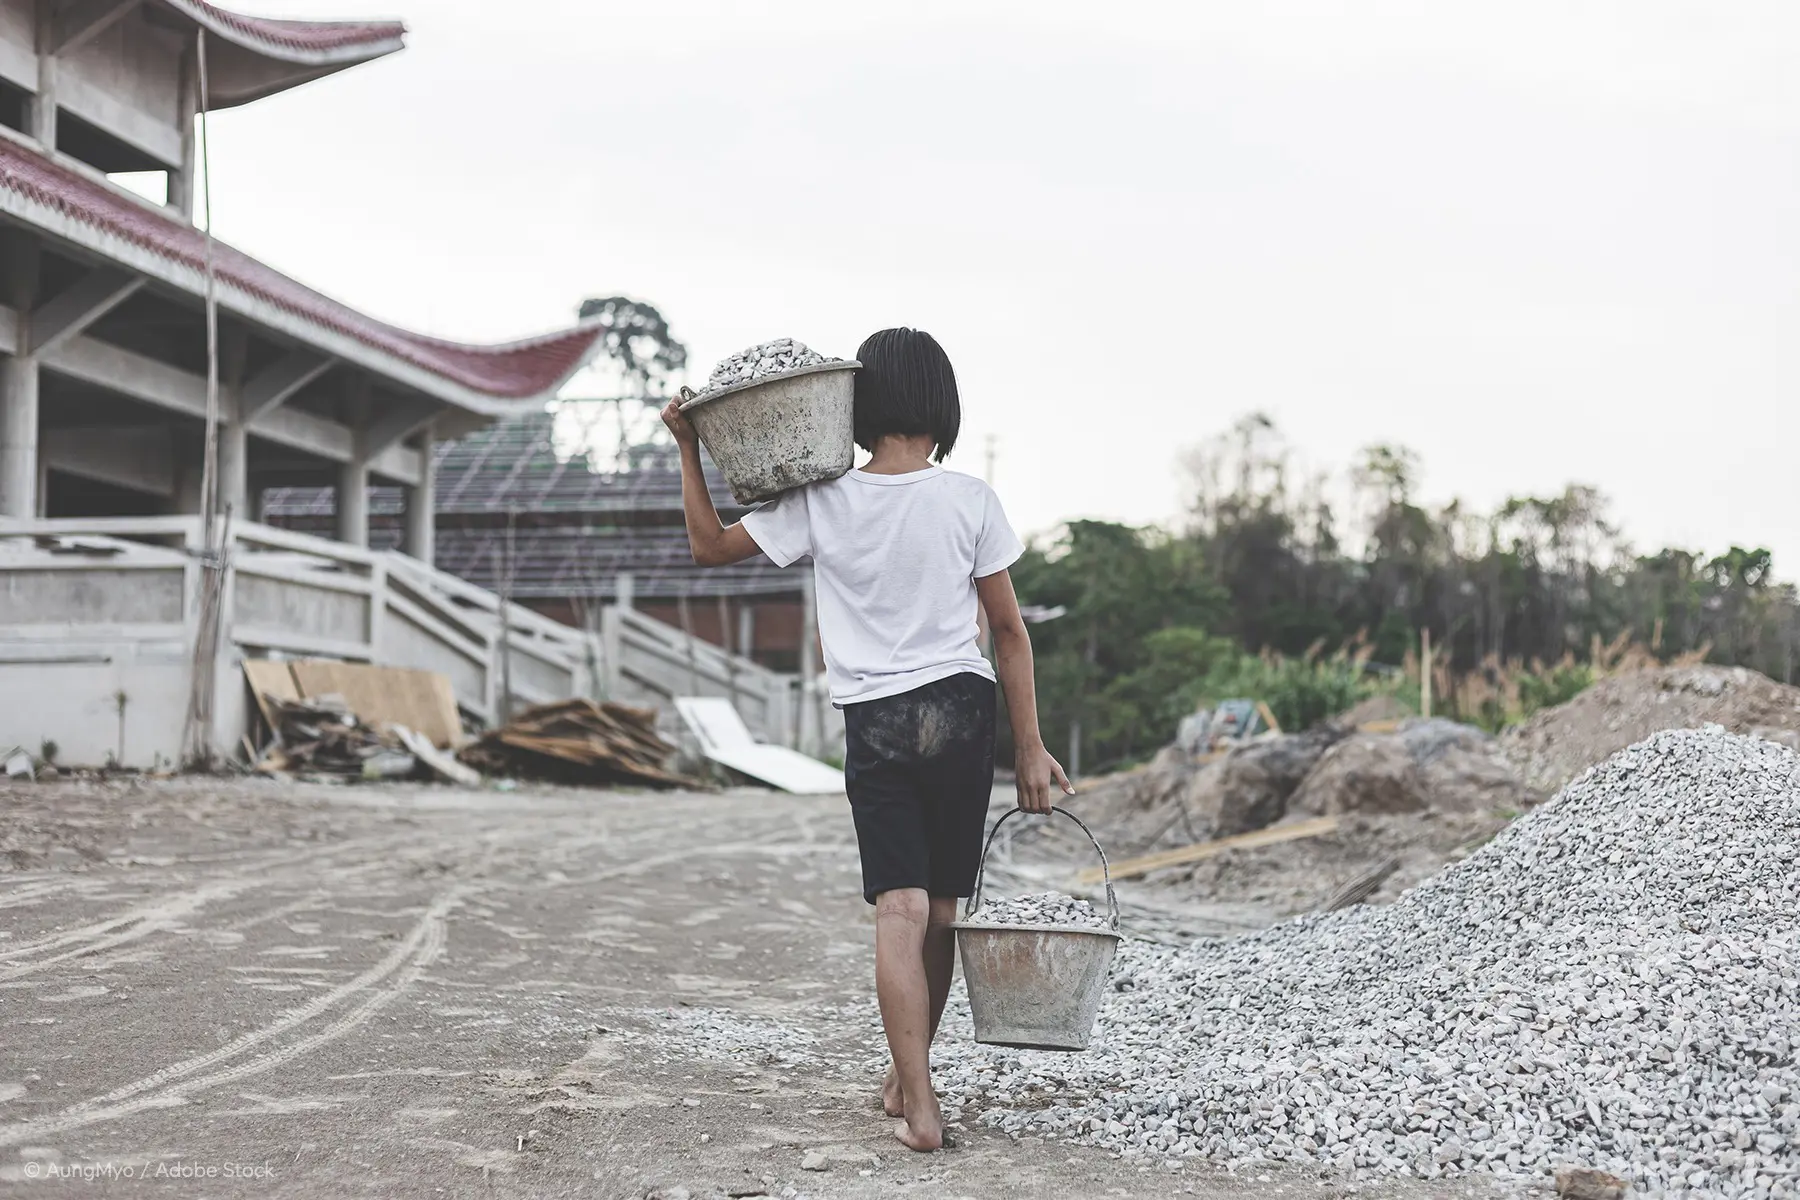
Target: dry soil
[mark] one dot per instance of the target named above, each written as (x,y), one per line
(223,987)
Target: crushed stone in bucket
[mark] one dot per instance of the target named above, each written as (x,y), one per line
(1034,979)
(763,361)
(1042,908)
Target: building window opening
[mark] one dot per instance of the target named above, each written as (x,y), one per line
(122,162)
(13,102)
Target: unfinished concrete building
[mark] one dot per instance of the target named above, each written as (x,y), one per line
(568,531)
(106,396)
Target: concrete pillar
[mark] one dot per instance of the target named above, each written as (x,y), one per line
(234,438)
(41,119)
(18,437)
(421,506)
(184,182)
(190,487)
(353,502)
(20,262)
(234,471)
(746,630)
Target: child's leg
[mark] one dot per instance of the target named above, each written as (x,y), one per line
(902,919)
(940,955)
(940,962)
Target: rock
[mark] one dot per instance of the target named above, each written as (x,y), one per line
(1372,773)
(824,1158)
(1585,1183)
(1251,787)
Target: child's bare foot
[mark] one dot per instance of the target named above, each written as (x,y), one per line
(893,1099)
(923,1128)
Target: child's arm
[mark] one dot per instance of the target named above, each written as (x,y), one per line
(713,544)
(1035,769)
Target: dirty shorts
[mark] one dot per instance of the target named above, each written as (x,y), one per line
(919,768)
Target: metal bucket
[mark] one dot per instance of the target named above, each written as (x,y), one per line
(779,432)
(1036,987)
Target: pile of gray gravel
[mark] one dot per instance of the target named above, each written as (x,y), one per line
(762,361)
(1039,908)
(1613,982)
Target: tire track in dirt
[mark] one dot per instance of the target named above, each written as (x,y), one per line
(254,876)
(386,981)
(158,915)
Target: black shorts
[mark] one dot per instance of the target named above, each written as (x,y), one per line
(919,768)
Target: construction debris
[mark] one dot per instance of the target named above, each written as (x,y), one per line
(725,740)
(17,764)
(321,735)
(441,763)
(1613,983)
(578,741)
(1131,868)
(423,701)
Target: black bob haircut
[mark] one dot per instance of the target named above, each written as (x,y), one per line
(906,386)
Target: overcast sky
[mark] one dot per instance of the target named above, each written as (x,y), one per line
(1535,242)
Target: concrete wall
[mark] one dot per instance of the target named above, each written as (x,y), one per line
(18,43)
(128,81)
(90,608)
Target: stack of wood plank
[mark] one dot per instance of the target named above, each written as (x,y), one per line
(578,741)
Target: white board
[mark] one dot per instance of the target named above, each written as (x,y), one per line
(726,740)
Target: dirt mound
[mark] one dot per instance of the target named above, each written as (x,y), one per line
(1435,765)
(1558,744)
(1412,798)
(1382,707)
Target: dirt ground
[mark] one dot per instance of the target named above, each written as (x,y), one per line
(220,987)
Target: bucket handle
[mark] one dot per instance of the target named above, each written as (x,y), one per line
(1112,901)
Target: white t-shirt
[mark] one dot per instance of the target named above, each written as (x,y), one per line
(895,558)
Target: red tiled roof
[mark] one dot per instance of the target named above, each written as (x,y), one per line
(308,38)
(513,371)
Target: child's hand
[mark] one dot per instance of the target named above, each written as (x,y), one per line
(1036,772)
(679,425)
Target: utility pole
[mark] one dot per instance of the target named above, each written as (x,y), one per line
(993,452)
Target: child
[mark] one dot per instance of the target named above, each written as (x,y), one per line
(903,553)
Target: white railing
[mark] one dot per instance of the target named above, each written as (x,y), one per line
(112,602)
